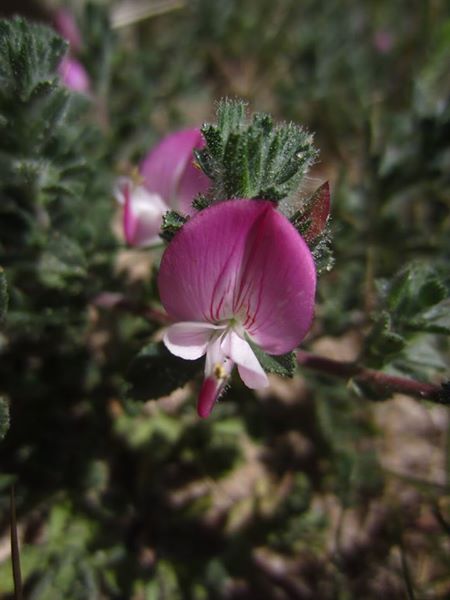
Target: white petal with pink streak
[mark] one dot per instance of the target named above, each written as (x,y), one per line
(189,340)
(240,352)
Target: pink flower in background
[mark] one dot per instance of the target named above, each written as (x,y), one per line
(383,41)
(168,180)
(74,75)
(67,27)
(237,270)
(142,213)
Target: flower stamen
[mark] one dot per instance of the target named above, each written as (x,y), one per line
(220,372)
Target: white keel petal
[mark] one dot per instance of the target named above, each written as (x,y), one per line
(189,340)
(240,352)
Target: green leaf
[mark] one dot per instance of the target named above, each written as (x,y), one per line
(29,57)
(231,115)
(283,364)
(42,133)
(421,358)
(431,86)
(171,223)
(235,167)
(62,261)
(414,289)
(201,202)
(155,372)
(435,320)
(253,159)
(415,302)
(322,252)
(384,341)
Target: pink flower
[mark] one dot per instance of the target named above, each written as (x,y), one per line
(237,270)
(66,25)
(168,180)
(142,213)
(73,75)
(383,41)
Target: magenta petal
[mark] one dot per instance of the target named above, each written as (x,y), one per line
(66,25)
(275,297)
(74,75)
(200,268)
(207,397)
(168,169)
(243,260)
(192,182)
(217,371)
(129,218)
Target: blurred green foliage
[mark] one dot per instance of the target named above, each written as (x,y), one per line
(301,493)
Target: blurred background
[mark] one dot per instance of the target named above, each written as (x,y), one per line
(314,489)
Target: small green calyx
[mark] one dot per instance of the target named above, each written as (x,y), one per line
(171,223)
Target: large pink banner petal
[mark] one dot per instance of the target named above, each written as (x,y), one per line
(242,260)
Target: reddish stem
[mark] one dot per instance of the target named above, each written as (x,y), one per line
(383,382)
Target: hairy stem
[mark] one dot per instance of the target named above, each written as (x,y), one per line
(381,382)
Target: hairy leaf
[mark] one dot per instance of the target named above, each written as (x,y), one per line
(155,372)
(283,364)
(253,159)
(171,223)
